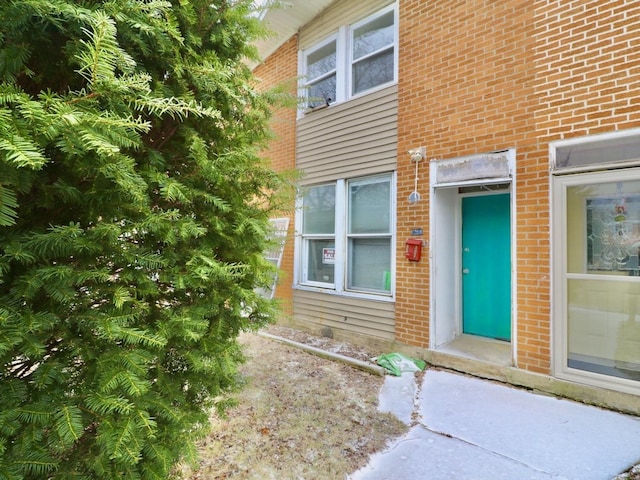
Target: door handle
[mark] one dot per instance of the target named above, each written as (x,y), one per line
(465,270)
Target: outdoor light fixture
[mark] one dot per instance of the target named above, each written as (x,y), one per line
(417,155)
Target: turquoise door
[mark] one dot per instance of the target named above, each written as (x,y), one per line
(486,266)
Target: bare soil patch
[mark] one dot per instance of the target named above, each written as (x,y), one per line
(299,417)
(632,474)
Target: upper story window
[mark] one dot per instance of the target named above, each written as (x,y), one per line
(357,59)
(321,74)
(372,54)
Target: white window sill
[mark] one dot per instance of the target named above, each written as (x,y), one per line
(386,298)
(598,380)
(320,108)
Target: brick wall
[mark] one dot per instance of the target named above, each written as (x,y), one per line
(280,70)
(587,54)
(587,81)
(478,76)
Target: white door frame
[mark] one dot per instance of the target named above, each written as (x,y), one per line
(446,178)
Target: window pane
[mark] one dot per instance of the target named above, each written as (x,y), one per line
(319,206)
(373,36)
(604,326)
(370,206)
(603,228)
(321,260)
(322,92)
(321,61)
(372,72)
(369,264)
(603,238)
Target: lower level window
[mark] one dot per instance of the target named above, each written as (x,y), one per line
(347,235)
(599,276)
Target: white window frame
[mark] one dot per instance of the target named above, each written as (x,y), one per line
(344,59)
(304,90)
(306,238)
(355,236)
(561,181)
(394,46)
(600,141)
(339,286)
(278,235)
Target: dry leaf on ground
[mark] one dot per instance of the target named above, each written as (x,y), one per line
(299,417)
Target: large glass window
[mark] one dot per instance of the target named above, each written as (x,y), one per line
(347,235)
(598,306)
(358,58)
(603,284)
(369,234)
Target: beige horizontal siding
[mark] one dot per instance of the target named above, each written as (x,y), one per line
(354,138)
(365,317)
(343,12)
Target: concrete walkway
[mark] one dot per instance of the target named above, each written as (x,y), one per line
(470,429)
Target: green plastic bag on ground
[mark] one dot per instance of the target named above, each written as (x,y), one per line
(397,363)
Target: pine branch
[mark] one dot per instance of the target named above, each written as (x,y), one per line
(102,55)
(21,152)
(133,211)
(8,206)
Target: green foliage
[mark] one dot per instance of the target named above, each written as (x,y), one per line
(133,217)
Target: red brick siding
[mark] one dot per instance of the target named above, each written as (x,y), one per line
(478,76)
(279,69)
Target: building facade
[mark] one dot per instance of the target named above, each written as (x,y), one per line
(471,187)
